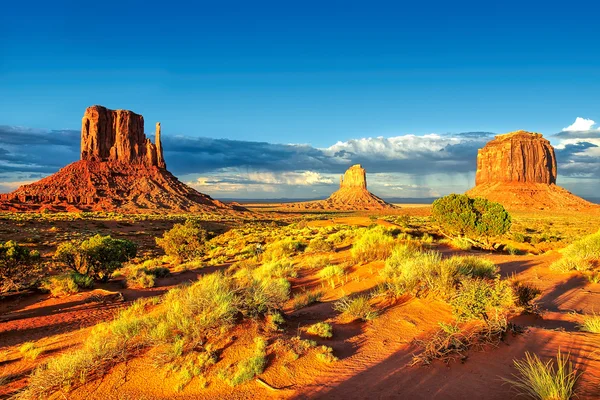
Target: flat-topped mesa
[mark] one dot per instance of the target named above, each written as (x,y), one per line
(118,135)
(355,176)
(520,156)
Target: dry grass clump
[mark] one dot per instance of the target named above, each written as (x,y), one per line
(333,274)
(582,255)
(357,307)
(325,355)
(321,329)
(319,245)
(374,244)
(30,351)
(544,381)
(66,284)
(590,323)
(306,298)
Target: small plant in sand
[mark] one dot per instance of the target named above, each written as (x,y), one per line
(544,381)
(333,274)
(185,241)
(525,293)
(590,323)
(325,355)
(319,245)
(357,307)
(306,298)
(30,351)
(252,366)
(321,329)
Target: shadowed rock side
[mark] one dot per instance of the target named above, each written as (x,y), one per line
(519,171)
(352,195)
(120,170)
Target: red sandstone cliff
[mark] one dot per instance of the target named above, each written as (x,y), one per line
(519,171)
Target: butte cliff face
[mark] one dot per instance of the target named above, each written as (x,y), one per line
(518,170)
(120,170)
(118,135)
(517,157)
(352,195)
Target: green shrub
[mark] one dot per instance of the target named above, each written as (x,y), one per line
(321,329)
(462,216)
(19,266)
(353,308)
(461,243)
(473,267)
(408,269)
(262,296)
(518,237)
(540,380)
(567,265)
(184,242)
(276,269)
(98,256)
(373,244)
(140,279)
(476,298)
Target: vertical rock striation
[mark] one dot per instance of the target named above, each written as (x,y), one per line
(517,157)
(355,176)
(117,135)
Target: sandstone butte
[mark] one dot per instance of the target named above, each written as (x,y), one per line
(120,170)
(518,170)
(352,195)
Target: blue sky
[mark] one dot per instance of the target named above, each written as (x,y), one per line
(313,73)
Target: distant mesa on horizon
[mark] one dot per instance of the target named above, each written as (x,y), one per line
(120,170)
(519,171)
(352,195)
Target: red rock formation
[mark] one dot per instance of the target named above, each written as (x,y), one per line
(517,157)
(352,195)
(120,170)
(355,176)
(519,171)
(118,135)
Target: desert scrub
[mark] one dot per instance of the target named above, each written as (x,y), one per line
(306,298)
(543,381)
(66,284)
(461,243)
(252,366)
(581,255)
(407,267)
(525,293)
(590,323)
(282,249)
(319,245)
(276,269)
(477,298)
(374,244)
(473,267)
(19,266)
(185,241)
(321,329)
(325,355)
(357,307)
(97,257)
(332,274)
(317,261)
(30,351)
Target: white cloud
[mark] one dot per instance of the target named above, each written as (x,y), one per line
(581,125)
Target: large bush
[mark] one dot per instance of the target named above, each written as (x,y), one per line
(19,266)
(97,256)
(184,242)
(459,215)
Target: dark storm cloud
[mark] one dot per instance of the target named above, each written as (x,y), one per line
(593,134)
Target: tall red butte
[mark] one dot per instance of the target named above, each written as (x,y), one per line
(120,170)
(518,170)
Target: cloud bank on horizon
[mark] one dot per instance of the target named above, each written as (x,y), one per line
(399,166)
